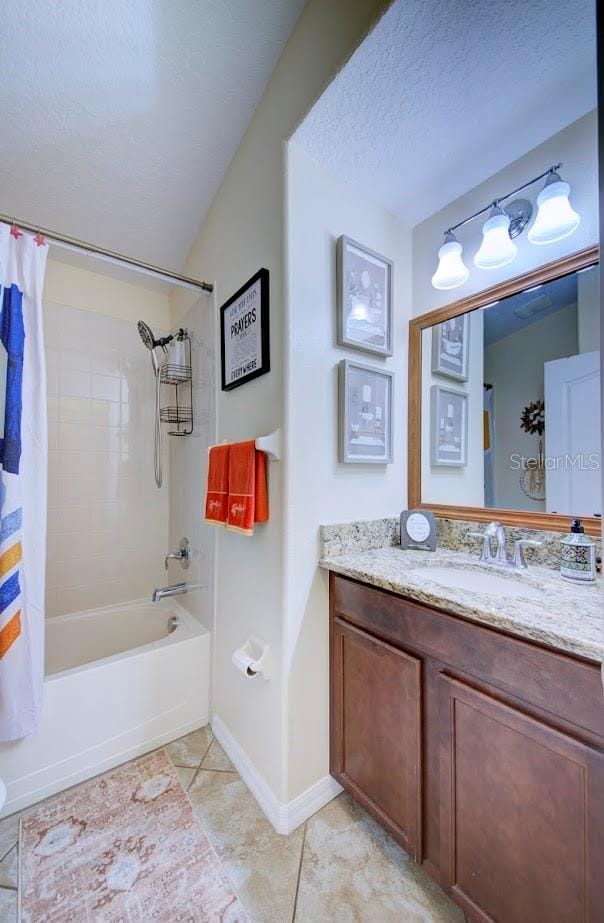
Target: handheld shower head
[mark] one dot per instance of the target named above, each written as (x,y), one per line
(146,334)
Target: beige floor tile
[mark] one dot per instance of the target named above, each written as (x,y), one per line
(217,759)
(353,871)
(185,775)
(190,750)
(262,865)
(8,906)
(9,833)
(8,869)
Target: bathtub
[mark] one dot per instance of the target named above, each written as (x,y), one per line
(119,682)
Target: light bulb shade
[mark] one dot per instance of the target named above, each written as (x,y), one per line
(556,218)
(497,248)
(451,270)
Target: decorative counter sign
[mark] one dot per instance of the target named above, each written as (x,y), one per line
(244,333)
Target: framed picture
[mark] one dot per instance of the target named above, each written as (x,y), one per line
(364,298)
(450,347)
(365,414)
(244,333)
(448,427)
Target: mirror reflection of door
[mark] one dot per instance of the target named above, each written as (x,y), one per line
(572,391)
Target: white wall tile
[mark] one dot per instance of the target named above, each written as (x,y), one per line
(74,409)
(105,387)
(74,383)
(107,521)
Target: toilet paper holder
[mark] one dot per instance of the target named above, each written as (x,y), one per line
(253,658)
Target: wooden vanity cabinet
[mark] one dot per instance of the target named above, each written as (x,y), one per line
(375,740)
(482,754)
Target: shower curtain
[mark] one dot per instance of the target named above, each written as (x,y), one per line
(23,467)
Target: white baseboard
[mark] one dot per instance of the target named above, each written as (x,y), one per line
(284,816)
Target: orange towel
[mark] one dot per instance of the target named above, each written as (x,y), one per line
(217,493)
(248,495)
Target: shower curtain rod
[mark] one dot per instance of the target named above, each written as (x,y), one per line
(110,256)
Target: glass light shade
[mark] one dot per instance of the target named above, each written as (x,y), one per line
(556,219)
(451,270)
(497,248)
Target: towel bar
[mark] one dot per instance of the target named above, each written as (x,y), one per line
(271,444)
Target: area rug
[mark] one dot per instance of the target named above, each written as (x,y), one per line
(124,847)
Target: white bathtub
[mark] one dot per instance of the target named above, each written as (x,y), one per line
(118,683)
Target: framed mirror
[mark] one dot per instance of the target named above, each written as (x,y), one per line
(504,401)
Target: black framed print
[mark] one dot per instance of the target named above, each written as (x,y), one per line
(244,333)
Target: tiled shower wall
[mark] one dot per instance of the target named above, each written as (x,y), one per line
(188,467)
(107,521)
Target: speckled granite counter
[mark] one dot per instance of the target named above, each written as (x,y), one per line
(565,616)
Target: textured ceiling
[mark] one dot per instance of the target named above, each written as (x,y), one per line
(442,95)
(119,117)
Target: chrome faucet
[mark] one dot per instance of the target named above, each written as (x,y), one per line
(182,554)
(176,589)
(496,531)
(163,592)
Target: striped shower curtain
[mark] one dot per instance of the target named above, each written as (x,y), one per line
(23,466)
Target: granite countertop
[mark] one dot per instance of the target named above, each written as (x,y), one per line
(565,616)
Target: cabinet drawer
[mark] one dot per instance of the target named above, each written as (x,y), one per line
(567,688)
(375,730)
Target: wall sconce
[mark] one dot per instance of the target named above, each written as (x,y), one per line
(555,220)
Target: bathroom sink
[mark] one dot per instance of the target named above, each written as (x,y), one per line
(477,581)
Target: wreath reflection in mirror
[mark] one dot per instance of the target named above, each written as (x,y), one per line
(532,480)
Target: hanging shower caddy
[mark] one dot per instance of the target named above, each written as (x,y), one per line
(179,413)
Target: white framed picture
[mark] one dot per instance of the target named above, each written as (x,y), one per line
(450,347)
(365,414)
(448,427)
(364,302)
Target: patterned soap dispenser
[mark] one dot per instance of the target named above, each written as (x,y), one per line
(578,560)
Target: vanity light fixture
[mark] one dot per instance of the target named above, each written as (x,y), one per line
(451,271)
(555,220)
(497,248)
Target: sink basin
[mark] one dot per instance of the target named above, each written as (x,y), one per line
(477,581)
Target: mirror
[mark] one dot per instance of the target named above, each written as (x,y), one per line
(510,399)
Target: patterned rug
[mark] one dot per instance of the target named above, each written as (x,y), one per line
(124,847)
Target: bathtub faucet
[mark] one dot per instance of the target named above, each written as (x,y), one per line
(177,589)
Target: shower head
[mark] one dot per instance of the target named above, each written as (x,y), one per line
(146,334)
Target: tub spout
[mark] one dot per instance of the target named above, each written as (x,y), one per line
(177,589)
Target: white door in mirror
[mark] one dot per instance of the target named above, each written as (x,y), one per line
(572,435)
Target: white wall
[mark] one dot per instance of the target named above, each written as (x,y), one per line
(576,147)
(245,230)
(524,353)
(318,488)
(463,485)
(103,293)
(107,521)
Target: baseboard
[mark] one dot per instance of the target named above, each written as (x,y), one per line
(284,816)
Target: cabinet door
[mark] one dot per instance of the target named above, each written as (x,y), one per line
(375,729)
(522,814)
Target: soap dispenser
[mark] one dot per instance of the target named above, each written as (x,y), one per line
(578,560)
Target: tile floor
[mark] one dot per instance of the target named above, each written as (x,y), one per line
(338,867)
